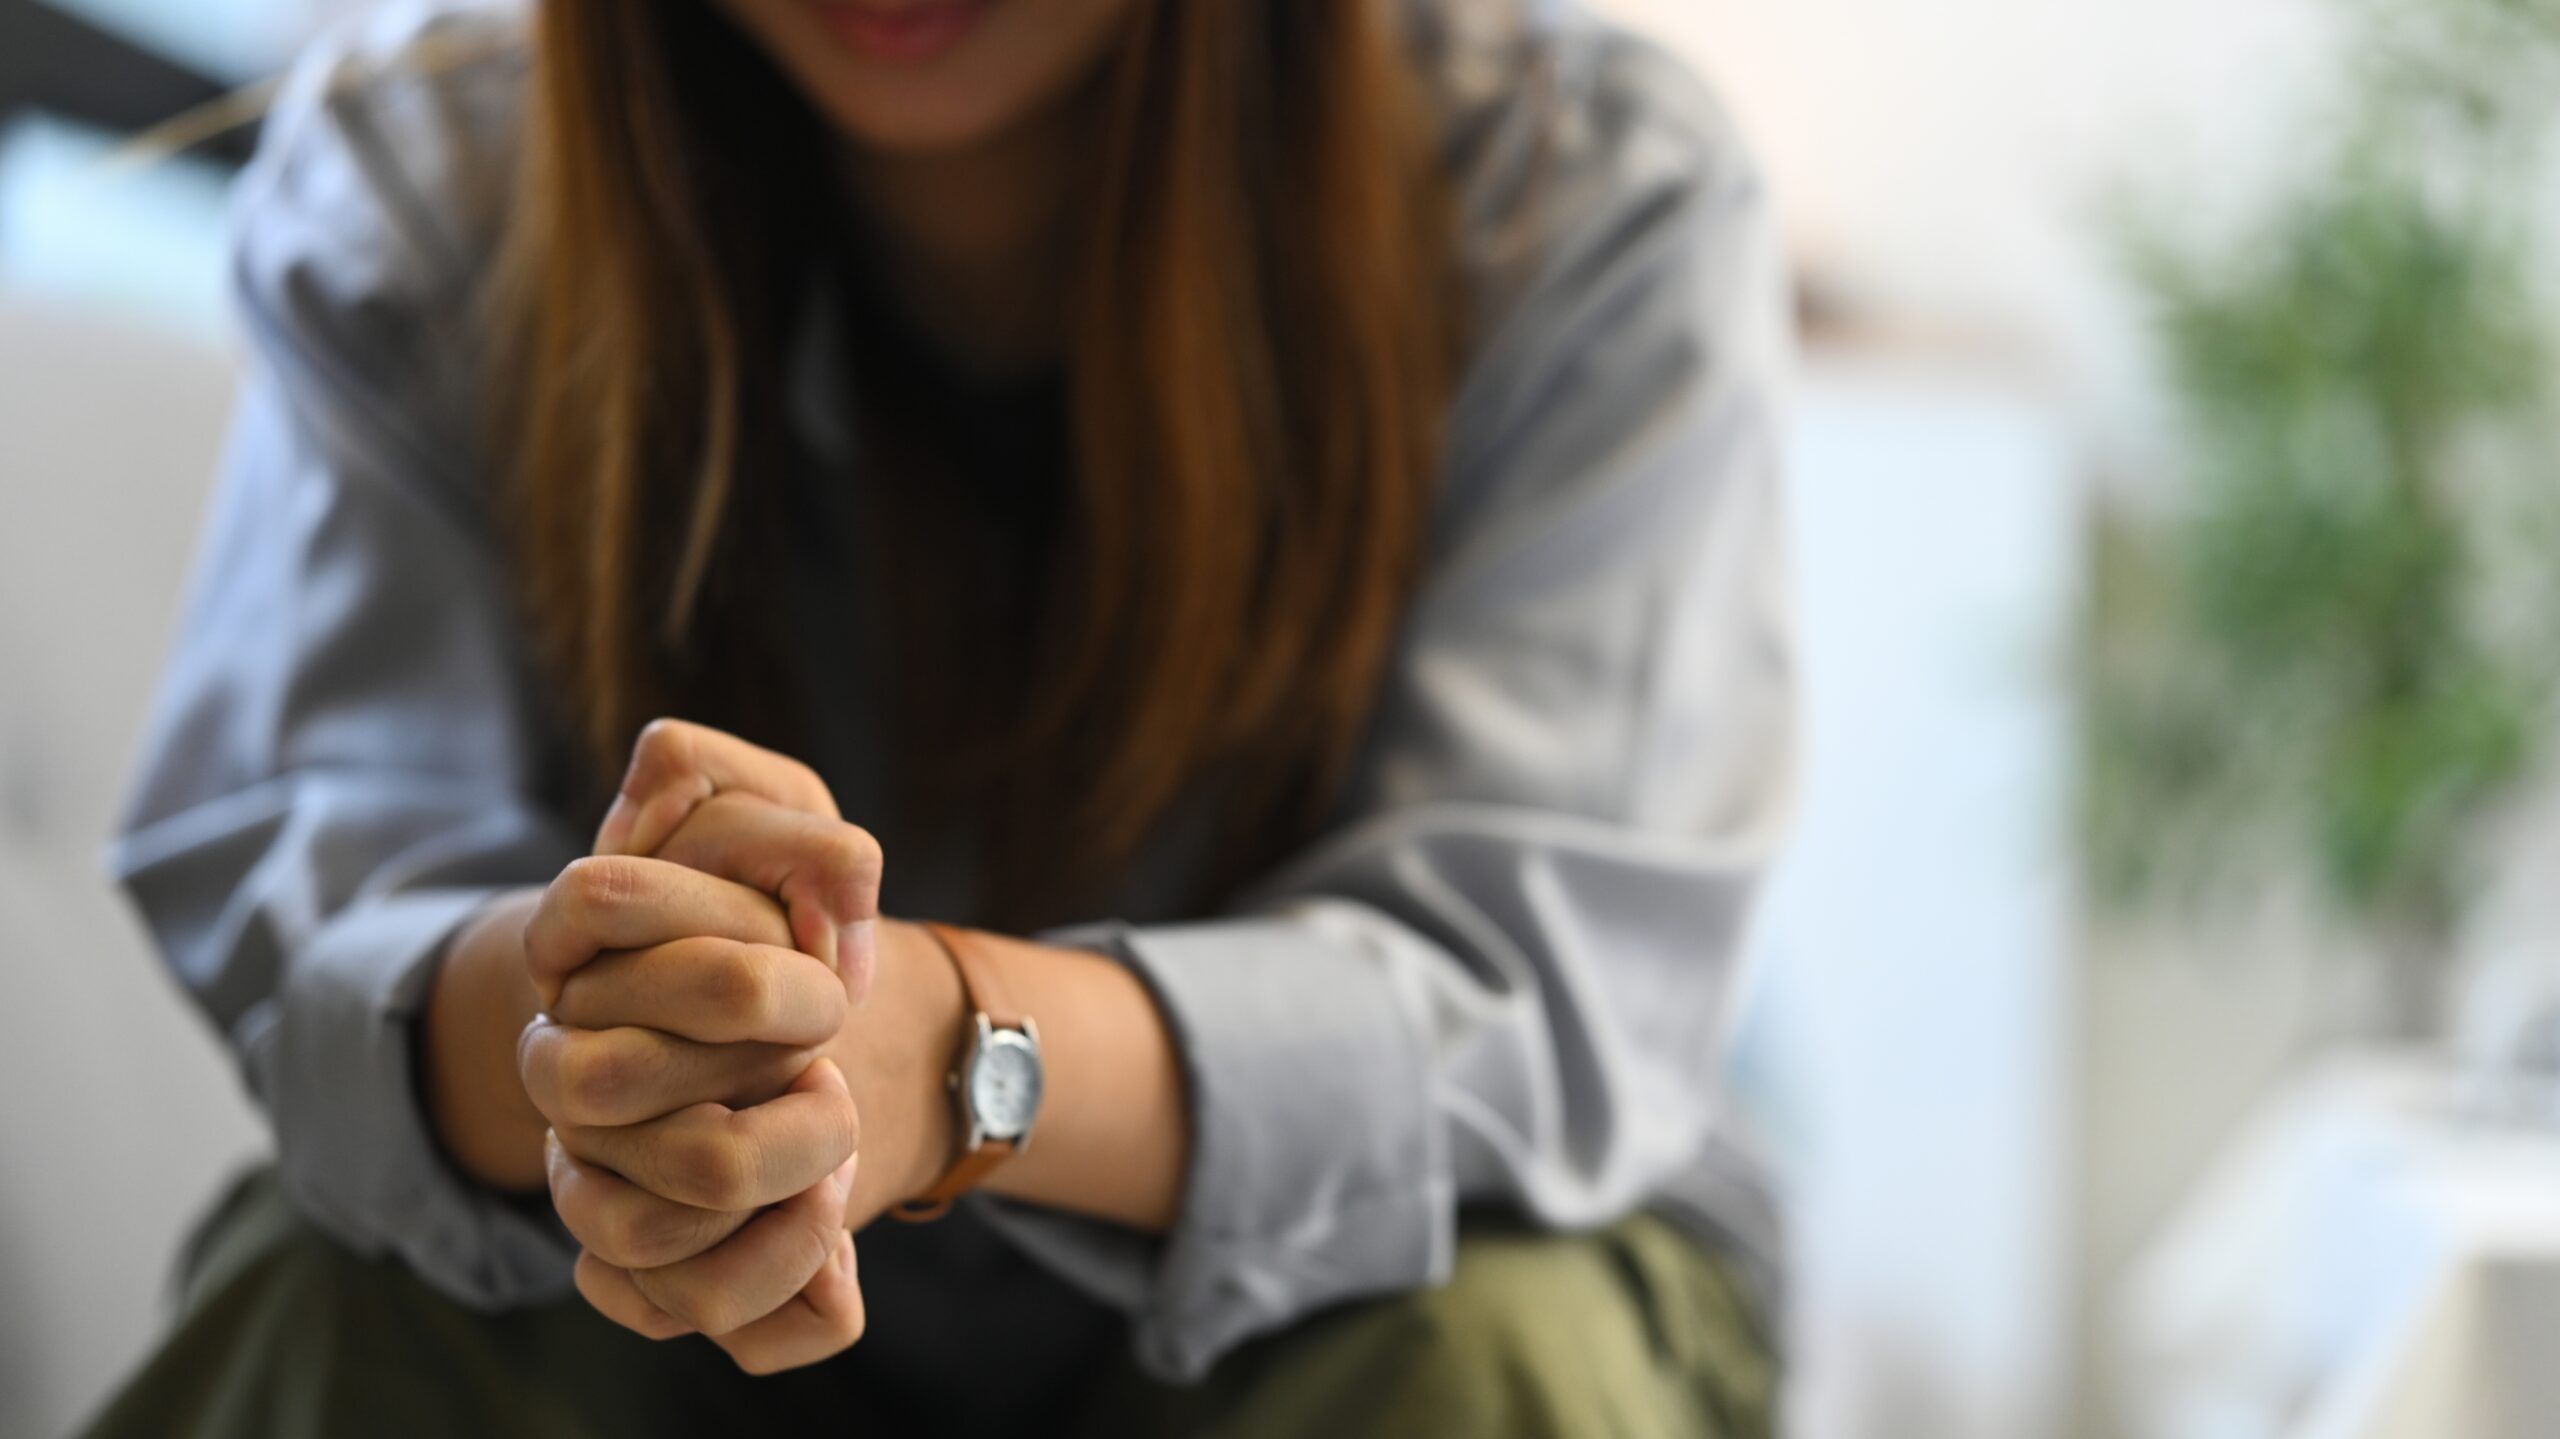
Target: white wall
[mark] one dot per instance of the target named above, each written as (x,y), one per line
(1943,165)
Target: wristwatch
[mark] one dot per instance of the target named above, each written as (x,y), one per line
(996,1082)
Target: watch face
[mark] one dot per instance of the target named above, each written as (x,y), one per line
(1004,1085)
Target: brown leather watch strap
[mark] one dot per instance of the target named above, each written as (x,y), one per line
(965,1174)
(979,983)
(983,992)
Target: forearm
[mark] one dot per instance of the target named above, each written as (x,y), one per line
(479,1004)
(1113,1136)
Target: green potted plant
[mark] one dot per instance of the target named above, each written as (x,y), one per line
(2331,654)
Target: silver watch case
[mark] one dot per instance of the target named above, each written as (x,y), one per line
(999,1084)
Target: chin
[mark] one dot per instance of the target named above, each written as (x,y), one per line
(917,118)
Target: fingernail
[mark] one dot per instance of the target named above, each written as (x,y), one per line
(857,952)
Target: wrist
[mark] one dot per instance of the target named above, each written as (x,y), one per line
(477,1005)
(896,1050)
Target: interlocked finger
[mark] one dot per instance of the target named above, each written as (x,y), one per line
(757,1270)
(710,989)
(676,765)
(825,872)
(824,1319)
(615,902)
(606,1078)
(624,1224)
(609,1288)
(713,1157)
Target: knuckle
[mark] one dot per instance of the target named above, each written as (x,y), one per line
(619,1235)
(594,1080)
(597,884)
(741,988)
(707,1169)
(659,1325)
(664,742)
(812,791)
(611,1235)
(651,1235)
(701,1308)
(717,1310)
(578,880)
(852,851)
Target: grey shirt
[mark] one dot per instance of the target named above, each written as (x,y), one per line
(1501,979)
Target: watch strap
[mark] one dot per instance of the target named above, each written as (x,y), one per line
(980,986)
(965,1174)
(983,992)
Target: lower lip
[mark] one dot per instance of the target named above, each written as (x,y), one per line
(906,35)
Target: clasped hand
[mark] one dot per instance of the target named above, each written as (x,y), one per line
(692,974)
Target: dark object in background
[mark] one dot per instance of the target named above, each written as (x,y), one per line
(53,61)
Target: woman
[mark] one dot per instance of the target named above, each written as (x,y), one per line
(1263,509)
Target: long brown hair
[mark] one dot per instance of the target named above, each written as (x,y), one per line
(1258,359)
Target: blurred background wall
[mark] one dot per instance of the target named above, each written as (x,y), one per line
(1942,168)
(1995,1112)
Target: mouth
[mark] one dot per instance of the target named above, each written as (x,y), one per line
(901,32)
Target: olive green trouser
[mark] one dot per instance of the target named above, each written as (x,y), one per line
(283,1334)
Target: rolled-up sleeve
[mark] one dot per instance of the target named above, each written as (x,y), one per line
(342,762)
(1502,978)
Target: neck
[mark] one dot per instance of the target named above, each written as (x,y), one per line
(971,241)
